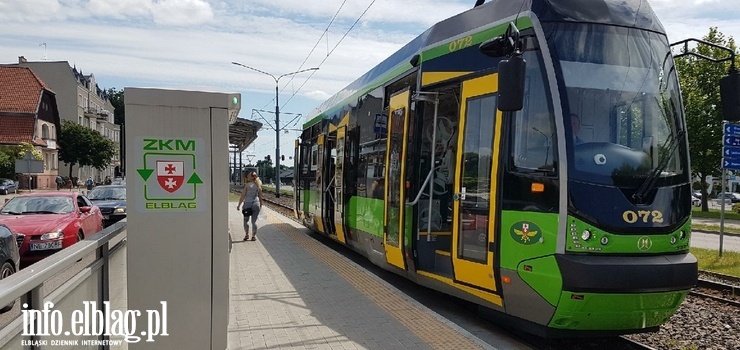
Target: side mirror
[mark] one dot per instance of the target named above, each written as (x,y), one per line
(511,75)
(729,90)
(85,209)
(496,47)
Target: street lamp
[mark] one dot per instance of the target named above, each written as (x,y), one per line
(277,118)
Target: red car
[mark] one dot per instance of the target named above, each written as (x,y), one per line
(49,222)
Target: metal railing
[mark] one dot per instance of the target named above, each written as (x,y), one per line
(90,283)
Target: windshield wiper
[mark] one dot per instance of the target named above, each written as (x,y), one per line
(39,212)
(10,212)
(649,182)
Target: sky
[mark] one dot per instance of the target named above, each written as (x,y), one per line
(190,44)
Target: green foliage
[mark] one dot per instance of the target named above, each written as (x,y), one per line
(9,154)
(84,146)
(709,260)
(267,170)
(699,80)
(116,99)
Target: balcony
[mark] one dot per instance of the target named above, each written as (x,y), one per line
(103,114)
(91,112)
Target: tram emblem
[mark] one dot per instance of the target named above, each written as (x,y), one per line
(526,233)
(644,243)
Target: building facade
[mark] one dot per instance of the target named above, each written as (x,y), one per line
(80,100)
(29,114)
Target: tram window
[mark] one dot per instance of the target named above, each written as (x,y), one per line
(314,157)
(535,146)
(535,138)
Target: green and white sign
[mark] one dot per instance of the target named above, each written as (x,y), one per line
(169,171)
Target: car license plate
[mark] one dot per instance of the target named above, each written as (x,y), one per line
(46,245)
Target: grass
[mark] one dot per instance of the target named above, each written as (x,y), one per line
(271,189)
(709,260)
(714,214)
(234,197)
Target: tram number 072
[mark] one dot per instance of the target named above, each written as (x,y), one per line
(460,44)
(645,216)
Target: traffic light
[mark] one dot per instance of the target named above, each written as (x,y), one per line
(268,157)
(282,157)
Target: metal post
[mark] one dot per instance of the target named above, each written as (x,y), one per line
(431,183)
(277,118)
(722,213)
(277,142)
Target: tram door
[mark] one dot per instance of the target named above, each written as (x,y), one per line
(339,183)
(475,184)
(328,168)
(395,191)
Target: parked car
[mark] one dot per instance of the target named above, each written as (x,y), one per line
(111,199)
(47,222)
(9,256)
(732,196)
(696,199)
(8,186)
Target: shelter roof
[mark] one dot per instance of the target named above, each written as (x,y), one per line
(243,132)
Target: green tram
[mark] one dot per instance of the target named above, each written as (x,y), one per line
(557,194)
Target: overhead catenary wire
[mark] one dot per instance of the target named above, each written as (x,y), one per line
(326,31)
(332,50)
(295,92)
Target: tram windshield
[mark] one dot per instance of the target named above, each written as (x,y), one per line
(624,121)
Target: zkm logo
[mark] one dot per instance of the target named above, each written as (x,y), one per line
(644,243)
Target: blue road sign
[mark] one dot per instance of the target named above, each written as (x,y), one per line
(732,140)
(731,164)
(732,129)
(731,152)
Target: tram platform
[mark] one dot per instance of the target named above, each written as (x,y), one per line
(290,291)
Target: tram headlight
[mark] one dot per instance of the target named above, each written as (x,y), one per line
(586,235)
(604,240)
(683,234)
(673,240)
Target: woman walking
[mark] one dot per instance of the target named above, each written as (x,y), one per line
(252,199)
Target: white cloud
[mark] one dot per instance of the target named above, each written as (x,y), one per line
(181,12)
(189,44)
(28,10)
(162,12)
(120,9)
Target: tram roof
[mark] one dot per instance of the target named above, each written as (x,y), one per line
(629,13)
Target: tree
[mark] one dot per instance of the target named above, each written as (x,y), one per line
(267,170)
(699,80)
(116,99)
(9,154)
(84,146)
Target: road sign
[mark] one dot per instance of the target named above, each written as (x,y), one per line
(29,165)
(732,129)
(731,152)
(731,164)
(730,140)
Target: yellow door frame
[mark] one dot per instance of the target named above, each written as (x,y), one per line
(339,174)
(394,255)
(476,274)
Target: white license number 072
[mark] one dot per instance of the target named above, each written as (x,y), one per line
(46,245)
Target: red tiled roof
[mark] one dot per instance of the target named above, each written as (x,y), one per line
(20,90)
(16,129)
